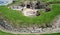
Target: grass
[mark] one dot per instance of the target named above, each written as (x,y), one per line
(52,34)
(19,19)
(4,33)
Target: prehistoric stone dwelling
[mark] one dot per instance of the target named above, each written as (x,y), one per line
(30,8)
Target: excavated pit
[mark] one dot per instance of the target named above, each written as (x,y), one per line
(34,7)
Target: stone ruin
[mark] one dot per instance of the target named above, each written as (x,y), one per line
(30,8)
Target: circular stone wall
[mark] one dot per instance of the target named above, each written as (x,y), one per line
(5,2)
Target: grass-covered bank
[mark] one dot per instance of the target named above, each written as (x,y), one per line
(18,18)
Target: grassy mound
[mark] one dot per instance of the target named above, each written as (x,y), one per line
(18,18)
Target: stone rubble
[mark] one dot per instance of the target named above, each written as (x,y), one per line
(55,27)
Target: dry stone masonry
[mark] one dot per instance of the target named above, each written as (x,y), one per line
(30,8)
